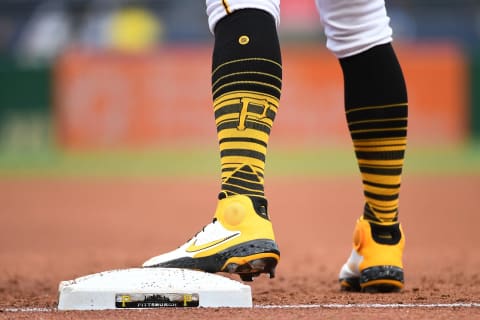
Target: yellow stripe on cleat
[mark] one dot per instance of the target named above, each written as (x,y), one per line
(383,285)
(245,260)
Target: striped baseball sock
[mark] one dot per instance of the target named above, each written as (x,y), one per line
(376,110)
(246,85)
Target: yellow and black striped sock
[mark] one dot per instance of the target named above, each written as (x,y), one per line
(377,112)
(246,86)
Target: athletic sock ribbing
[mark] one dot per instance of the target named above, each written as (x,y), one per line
(377,112)
(246,87)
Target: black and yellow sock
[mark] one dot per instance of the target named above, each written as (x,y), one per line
(246,85)
(376,110)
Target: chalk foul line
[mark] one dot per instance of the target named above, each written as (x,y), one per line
(316,306)
(370,305)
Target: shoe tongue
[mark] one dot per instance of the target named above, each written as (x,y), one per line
(261,206)
(386,234)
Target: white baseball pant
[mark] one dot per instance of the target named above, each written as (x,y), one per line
(351,26)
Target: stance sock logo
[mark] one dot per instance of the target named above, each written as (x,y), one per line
(249,105)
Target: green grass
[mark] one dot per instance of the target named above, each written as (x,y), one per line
(193,162)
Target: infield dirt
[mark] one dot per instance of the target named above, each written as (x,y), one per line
(55,230)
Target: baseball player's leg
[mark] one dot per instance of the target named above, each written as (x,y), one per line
(246,85)
(358,33)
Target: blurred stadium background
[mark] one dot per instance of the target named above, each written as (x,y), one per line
(122,87)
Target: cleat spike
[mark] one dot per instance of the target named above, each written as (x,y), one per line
(247,277)
(272,273)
